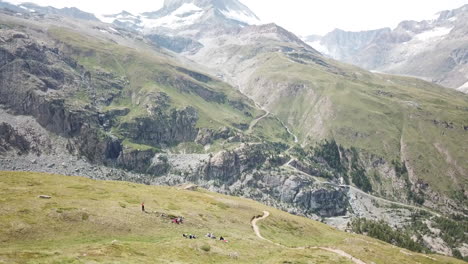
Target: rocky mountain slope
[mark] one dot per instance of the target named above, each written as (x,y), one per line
(71,12)
(288,127)
(434,50)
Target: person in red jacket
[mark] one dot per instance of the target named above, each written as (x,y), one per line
(142,207)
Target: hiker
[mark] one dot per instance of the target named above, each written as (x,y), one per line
(185,235)
(221,238)
(143,207)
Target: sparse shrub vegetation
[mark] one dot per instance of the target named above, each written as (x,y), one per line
(206,248)
(382,231)
(85,216)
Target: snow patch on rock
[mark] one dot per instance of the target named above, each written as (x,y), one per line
(241,17)
(463,88)
(105,18)
(185,15)
(27,9)
(434,33)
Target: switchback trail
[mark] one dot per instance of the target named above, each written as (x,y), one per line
(255,121)
(333,250)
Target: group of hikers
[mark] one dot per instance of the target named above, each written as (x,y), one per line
(212,236)
(190,236)
(208,235)
(180,220)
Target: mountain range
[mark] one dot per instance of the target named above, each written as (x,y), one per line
(200,92)
(434,50)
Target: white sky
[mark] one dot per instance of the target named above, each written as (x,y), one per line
(303,17)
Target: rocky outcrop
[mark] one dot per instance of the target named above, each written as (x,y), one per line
(207,136)
(163,127)
(243,172)
(136,160)
(306,168)
(38,81)
(296,193)
(95,145)
(226,167)
(11,140)
(314,198)
(34,82)
(160,165)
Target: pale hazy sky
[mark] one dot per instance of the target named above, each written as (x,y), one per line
(303,17)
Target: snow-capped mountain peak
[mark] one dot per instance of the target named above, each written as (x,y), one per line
(181,14)
(122,17)
(232,9)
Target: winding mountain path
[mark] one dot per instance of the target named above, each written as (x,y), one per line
(392,202)
(408,206)
(267,113)
(255,121)
(266,214)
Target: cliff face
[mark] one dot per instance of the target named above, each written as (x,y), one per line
(43,82)
(246,171)
(36,81)
(11,141)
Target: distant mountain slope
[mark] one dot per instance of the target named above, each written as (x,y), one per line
(101,221)
(72,12)
(435,50)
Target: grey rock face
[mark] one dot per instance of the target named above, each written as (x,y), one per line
(72,12)
(225,166)
(37,80)
(242,172)
(10,140)
(136,160)
(31,84)
(163,128)
(206,136)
